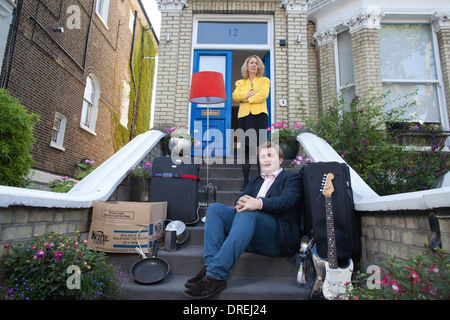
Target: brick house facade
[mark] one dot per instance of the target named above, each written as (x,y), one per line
(315,47)
(60,48)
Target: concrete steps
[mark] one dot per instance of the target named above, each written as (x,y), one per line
(254,277)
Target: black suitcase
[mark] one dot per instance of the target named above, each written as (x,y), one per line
(343,208)
(176,183)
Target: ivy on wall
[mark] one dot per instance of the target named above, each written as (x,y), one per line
(144,71)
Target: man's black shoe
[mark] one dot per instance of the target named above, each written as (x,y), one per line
(205,288)
(195,279)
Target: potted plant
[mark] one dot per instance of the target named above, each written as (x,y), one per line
(56,266)
(286,136)
(179,139)
(296,164)
(422,134)
(140,177)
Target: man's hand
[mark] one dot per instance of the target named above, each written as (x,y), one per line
(247,203)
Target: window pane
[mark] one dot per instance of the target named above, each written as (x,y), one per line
(406,52)
(89,90)
(348,95)
(86,114)
(426,108)
(213,63)
(345,58)
(102,9)
(125,104)
(232,32)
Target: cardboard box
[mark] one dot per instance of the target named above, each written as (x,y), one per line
(118,225)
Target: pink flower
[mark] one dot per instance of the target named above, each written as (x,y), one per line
(58,255)
(433,269)
(415,277)
(395,287)
(40,254)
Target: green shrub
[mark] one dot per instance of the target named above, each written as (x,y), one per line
(16,140)
(420,277)
(56,265)
(357,131)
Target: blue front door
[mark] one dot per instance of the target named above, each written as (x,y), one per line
(209,124)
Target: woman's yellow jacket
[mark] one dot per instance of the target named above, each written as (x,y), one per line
(256,103)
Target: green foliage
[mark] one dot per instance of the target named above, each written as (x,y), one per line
(421,277)
(143,171)
(64,184)
(56,264)
(61,185)
(86,167)
(143,71)
(357,131)
(16,141)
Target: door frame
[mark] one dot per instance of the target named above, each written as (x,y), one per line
(269,47)
(228,89)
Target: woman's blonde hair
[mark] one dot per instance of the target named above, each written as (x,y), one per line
(244,68)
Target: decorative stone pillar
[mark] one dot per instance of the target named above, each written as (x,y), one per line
(168,62)
(297,58)
(324,42)
(366,51)
(441,25)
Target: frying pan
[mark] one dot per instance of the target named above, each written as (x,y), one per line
(150,270)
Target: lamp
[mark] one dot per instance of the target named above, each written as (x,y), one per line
(207,87)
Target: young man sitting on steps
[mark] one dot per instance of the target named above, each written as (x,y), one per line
(265,220)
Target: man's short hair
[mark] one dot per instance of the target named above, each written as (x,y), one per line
(270,144)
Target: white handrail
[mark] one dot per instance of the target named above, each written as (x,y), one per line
(98,185)
(365,198)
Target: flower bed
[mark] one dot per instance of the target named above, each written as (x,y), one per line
(56,265)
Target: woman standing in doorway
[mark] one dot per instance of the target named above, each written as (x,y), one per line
(252,92)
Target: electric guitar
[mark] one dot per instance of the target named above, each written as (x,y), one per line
(330,280)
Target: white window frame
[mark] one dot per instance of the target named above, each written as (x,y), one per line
(125,106)
(58,132)
(234,18)
(340,86)
(102,10)
(131,22)
(235,47)
(439,78)
(89,125)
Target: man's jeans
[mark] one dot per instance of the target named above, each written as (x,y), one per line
(228,234)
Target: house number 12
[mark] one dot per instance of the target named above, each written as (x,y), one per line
(232,32)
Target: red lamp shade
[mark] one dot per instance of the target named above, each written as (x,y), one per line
(207,87)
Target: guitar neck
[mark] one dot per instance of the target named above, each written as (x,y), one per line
(332,254)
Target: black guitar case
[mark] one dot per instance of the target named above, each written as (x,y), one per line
(346,232)
(176,183)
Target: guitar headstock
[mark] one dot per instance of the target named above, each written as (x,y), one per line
(327,185)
